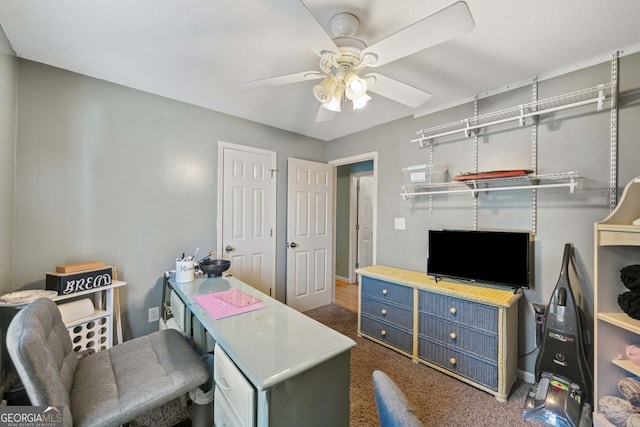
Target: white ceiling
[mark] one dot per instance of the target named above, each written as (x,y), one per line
(196,51)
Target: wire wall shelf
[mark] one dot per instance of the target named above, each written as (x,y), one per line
(525,182)
(594,95)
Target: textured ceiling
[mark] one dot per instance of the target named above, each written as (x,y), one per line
(197,51)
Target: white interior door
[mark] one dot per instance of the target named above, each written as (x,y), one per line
(309,234)
(373,156)
(246,231)
(361,222)
(365,221)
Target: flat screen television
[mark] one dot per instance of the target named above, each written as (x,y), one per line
(491,257)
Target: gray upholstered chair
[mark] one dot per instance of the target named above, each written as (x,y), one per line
(106,388)
(394,410)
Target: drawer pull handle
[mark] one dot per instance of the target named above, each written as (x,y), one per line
(384,292)
(453,310)
(383,333)
(453,361)
(222,382)
(384,312)
(453,335)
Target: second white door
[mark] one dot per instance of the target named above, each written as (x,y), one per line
(309,234)
(364,227)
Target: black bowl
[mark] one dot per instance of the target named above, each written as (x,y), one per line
(215,267)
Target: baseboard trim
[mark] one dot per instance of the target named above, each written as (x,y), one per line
(526,376)
(343,280)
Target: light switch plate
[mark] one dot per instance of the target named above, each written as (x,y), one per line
(399,224)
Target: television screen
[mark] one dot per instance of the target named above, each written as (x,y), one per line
(492,257)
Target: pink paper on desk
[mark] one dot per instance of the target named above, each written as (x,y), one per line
(228,303)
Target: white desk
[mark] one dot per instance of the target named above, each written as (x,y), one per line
(298,366)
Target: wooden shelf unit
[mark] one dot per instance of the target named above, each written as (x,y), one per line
(616,245)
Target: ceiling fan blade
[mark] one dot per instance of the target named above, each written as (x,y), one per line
(280,80)
(398,91)
(432,30)
(324,115)
(295,15)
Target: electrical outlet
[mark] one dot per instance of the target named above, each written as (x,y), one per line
(399,224)
(154,314)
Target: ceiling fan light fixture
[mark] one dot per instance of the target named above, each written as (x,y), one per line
(333,105)
(361,102)
(355,87)
(336,99)
(324,90)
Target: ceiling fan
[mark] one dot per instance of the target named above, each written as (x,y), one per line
(343,57)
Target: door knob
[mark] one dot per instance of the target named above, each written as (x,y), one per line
(293,245)
(228,248)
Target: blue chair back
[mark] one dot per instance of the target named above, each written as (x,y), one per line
(394,410)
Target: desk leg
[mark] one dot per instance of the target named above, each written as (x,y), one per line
(263,409)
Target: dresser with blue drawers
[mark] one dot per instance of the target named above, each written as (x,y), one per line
(467,331)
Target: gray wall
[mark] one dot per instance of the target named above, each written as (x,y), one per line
(109,173)
(573,140)
(8,84)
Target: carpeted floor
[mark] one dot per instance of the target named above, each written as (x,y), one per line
(438,399)
(175,413)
